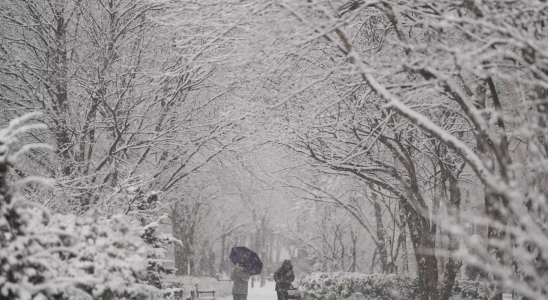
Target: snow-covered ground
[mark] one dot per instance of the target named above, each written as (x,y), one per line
(268,293)
(258,293)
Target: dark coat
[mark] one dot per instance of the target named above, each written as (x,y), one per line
(240,285)
(284,276)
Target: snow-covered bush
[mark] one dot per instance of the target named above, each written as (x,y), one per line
(468,289)
(172,285)
(63,256)
(107,256)
(335,286)
(341,285)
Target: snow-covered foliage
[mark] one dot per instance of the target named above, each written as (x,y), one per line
(156,269)
(172,285)
(335,286)
(44,256)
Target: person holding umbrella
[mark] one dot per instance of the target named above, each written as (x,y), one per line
(284,276)
(247,263)
(240,285)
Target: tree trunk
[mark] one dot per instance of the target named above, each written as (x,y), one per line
(373,259)
(263,250)
(61,105)
(223,254)
(491,207)
(381,244)
(181,260)
(183,230)
(190,254)
(405,254)
(453,265)
(427,264)
(354,239)
(278,252)
(179,251)
(451,269)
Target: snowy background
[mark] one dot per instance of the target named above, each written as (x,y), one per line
(392,148)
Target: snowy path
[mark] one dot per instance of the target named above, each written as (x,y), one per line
(257,293)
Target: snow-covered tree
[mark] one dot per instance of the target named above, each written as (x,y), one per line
(123,95)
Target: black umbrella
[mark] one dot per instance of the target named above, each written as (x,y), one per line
(244,256)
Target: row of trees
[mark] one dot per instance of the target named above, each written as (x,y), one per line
(414,100)
(345,229)
(125,103)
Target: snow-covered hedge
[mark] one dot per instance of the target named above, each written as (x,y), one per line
(44,256)
(66,256)
(335,286)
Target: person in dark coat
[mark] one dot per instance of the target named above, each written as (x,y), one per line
(240,286)
(474,273)
(284,276)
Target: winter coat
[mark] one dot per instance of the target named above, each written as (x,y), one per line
(240,285)
(284,276)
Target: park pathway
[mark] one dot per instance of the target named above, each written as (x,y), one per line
(258,293)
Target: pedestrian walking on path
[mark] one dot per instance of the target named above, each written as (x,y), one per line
(240,285)
(284,276)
